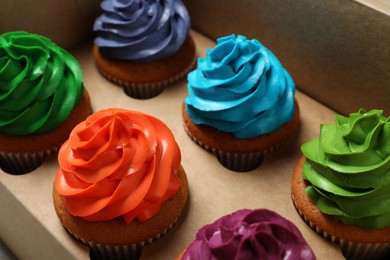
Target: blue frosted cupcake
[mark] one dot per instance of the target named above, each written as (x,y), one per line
(240,103)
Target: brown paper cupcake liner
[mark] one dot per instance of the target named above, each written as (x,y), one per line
(138,90)
(350,249)
(22,163)
(98,251)
(147,90)
(239,162)
(117,252)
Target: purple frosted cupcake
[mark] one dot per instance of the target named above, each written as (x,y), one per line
(248,234)
(143,45)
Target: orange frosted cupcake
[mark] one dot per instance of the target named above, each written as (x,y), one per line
(240,103)
(143,45)
(120,184)
(42,99)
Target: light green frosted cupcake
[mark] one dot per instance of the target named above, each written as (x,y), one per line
(341,187)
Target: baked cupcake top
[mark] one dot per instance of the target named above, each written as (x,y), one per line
(240,87)
(249,234)
(348,169)
(40,84)
(118,163)
(141,30)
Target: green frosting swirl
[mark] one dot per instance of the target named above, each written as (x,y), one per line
(40,84)
(348,169)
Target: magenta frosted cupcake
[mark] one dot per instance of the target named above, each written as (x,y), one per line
(248,234)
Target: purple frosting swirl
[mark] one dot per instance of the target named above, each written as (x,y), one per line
(141,30)
(249,234)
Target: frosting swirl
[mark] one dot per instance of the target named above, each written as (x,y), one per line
(141,30)
(240,88)
(118,163)
(249,234)
(40,84)
(348,169)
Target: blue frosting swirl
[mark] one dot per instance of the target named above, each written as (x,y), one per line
(240,88)
(141,30)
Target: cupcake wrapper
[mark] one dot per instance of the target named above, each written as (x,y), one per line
(98,251)
(148,89)
(113,252)
(238,162)
(350,249)
(144,91)
(138,90)
(22,163)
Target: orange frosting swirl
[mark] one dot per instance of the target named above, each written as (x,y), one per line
(118,163)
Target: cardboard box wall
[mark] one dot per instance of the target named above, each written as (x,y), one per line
(336,50)
(67,22)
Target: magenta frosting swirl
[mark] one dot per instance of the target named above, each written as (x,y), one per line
(249,234)
(141,30)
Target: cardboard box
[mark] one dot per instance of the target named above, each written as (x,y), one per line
(333,49)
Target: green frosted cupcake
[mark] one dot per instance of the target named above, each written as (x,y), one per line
(341,187)
(42,98)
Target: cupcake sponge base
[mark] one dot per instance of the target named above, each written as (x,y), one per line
(146,80)
(239,155)
(355,242)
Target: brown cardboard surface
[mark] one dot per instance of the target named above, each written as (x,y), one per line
(66,22)
(29,225)
(336,50)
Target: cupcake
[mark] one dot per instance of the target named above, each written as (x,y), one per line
(240,103)
(120,184)
(341,186)
(42,98)
(143,45)
(248,234)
